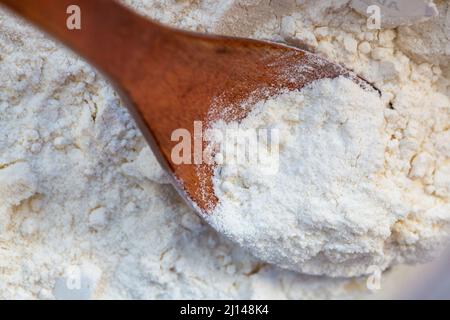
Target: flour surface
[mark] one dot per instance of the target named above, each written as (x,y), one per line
(85,211)
(329,207)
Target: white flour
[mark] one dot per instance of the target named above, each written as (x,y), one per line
(429,42)
(399,214)
(82,212)
(331,208)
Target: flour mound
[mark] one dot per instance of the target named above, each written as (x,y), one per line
(17,183)
(330,209)
(91,203)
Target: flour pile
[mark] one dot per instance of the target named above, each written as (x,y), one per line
(86,212)
(330,209)
(361,183)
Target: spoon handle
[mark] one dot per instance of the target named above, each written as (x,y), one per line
(109,36)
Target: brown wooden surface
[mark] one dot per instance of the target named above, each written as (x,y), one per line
(169,78)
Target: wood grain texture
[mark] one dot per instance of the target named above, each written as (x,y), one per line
(170,78)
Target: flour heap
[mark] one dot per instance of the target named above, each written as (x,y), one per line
(360,186)
(331,208)
(86,211)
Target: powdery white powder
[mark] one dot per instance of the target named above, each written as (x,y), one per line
(410,191)
(429,42)
(329,209)
(85,211)
(94,219)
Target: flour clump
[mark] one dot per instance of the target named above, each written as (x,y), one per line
(329,209)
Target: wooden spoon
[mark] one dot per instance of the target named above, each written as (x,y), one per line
(170,78)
